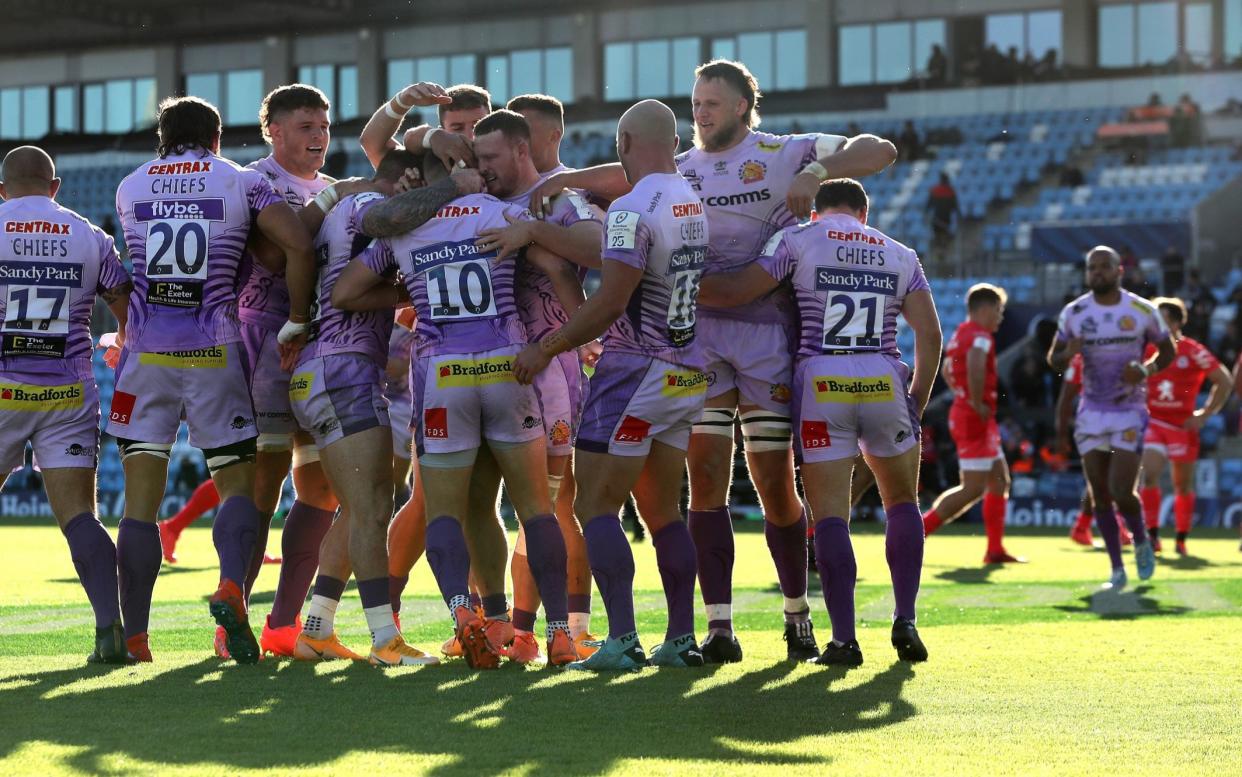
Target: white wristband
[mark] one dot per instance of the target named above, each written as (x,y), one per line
(427,137)
(393,114)
(817,170)
(327,198)
(290,330)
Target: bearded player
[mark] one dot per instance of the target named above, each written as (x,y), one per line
(970,371)
(1173,434)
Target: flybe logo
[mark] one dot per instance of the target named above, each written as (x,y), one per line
(205,208)
(36,227)
(179,168)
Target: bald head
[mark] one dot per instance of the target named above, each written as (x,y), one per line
(27,170)
(647,139)
(1105,253)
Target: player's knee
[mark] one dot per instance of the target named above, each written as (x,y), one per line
(764,431)
(131,448)
(272,442)
(219,459)
(715,422)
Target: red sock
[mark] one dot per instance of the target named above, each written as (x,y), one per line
(204,498)
(1184,511)
(1150,497)
(1084,522)
(931,522)
(994,521)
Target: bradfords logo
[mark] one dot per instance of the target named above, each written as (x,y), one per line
(36,228)
(214,357)
(300,386)
(40,399)
(474,372)
(684,384)
(458,211)
(844,389)
(686,209)
(179,168)
(829,279)
(204,208)
(41,274)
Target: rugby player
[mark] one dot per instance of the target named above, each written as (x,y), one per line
(186,216)
(850,392)
(1173,433)
(337,394)
(467,335)
(970,371)
(1111,327)
(53,263)
(752,184)
(460,107)
(647,390)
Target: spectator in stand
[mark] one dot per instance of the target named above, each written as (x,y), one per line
(942,203)
(1047,66)
(1173,267)
(1194,290)
(909,144)
(1135,280)
(937,67)
(1129,260)
(1030,381)
(1013,66)
(1071,175)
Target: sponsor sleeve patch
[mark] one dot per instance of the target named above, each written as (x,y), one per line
(622,229)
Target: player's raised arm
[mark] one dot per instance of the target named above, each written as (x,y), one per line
(856,157)
(605,181)
(280,224)
(919,310)
(377,136)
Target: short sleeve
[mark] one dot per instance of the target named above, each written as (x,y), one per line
(519,212)
(259,192)
(918,279)
(362,203)
(627,239)
(982,342)
(378,257)
(827,145)
(1157,331)
(777,259)
(1205,359)
(1066,327)
(570,207)
(111,272)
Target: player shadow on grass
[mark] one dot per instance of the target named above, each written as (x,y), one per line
(972,575)
(287,715)
(1128,604)
(164,571)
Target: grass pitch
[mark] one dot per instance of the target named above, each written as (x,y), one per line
(1032,671)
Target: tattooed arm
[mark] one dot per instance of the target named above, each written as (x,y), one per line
(410,210)
(117,300)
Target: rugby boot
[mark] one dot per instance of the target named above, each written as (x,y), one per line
(1083,537)
(499,634)
(452,647)
(228,607)
(622,654)
(848,654)
(561,649)
(220,643)
(139,648)
(1156,544)
(524,649)
(681,652)
(1116,581)
(280,641)
(109,646)
(1145,560)
(1003,558)
(1180,547)
(270,559)
(586,644)
(168,540)
(397,653)
(721,648)
(800,642)
(906,639)
(330,648)
(472,634)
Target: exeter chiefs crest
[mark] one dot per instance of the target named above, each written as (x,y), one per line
(752,171)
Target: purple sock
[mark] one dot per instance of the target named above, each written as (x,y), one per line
(903,547)
(373,592)
(523,620)
(834,558)
(138,558)
(612,566)
(495,605)
(579,602)
(330,587)
(1137,527)
(396,587)
(305,527)
(1106,522)
(260,549)
(233,531)
(675,558)
(712,531)
(546,555)
(94,557)
(787,544)
(449,560)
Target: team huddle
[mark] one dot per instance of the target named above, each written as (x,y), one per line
(435,313)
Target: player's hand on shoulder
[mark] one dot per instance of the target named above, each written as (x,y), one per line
(412,178)
(541,198)
(801,196)
(468,181)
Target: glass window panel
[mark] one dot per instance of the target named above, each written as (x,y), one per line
(619,71)
(434,69)
(36,112)
(145,102)
(498,78)
(525,72)
(791,59)
(324,79)
(1198,32)
(10,113)
(854,55)
(1116,44)
(558,67)
(724,48)
(652,57)
(1004,30)
(892,52)
(66,105)
(1157,38)
(203,85)
(93,108)
(306,74)
(461,69)
(119,106)
(927,34)
(400,74)
(1233,29)
(1043,32)
(243,92)
(347,105)
(685,60)
(755,49)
